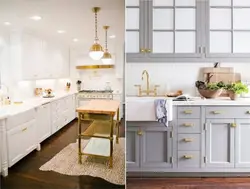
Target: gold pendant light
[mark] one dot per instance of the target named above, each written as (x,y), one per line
(107,58)
(96,50)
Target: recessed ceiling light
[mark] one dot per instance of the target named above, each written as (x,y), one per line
(36,17)
(112,36)
(75,40)
(7,23)
(60,31)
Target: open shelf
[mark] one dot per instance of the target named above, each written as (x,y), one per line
(98,147)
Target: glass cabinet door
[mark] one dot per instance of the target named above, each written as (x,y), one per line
(174,28)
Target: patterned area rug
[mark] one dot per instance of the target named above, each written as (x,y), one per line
(66,162)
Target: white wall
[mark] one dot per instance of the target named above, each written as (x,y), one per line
(174,76)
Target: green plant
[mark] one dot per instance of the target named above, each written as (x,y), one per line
(213,86)
(237,88)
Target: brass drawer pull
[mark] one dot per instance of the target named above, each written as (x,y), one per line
(139,133)
(24,129)
(188,111)
(188,140)
(148,50)
(233,124)
(188,124)
(187,156)
(217,112)
(142,50)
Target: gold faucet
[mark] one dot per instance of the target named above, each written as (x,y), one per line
(147,75)
(147,91)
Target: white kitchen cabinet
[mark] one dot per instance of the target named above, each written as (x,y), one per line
(21,140)
(35,58)
(43,118)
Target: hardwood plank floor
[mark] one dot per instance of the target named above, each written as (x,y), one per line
(26,174)
(188,183)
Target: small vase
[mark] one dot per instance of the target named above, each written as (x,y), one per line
(233,95)
(78,87)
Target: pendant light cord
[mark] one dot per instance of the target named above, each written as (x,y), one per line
(106,40)
(96,38)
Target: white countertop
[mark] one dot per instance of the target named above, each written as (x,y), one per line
(13,109)
(197,101)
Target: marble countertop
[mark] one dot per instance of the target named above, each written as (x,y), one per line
(197,101)
(13,109)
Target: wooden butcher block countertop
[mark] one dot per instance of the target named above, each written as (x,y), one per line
(100,107)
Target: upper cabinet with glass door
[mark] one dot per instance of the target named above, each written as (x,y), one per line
(228,29)
(162,30)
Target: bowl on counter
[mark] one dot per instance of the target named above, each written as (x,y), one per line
(210,93)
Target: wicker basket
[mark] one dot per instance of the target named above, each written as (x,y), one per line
(210,93)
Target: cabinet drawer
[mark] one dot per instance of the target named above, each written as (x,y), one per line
(189,125)
(228,112)
(189,142)
(20,118)
(188,159)
(188,112)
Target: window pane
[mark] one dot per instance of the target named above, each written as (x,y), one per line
(132,42)
(241,42)
(163,2)
(241,18)
(241,3)
(132,18)
(185,2)
(220,42)
(220,18)
(220,2)
(188,46)
(132,2)
(185,18)
(163,42)
(163,19)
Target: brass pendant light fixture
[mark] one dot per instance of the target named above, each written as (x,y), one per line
(107,58)
(96,50)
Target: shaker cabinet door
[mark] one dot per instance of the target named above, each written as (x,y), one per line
(220,143)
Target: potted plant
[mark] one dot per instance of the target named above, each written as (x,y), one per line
(210,90)
(235,89)
(78,83)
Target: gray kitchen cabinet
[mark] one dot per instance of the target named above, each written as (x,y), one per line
(156,148)
(220,143)
(242,141)
(132,147)
(187,31)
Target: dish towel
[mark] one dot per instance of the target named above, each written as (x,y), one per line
(163,111)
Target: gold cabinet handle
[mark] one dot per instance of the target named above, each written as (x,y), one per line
(187,157)
(188,124)
(233,124)
(139,133)
(148,50)
(187,140)
(217,112)
(142,50)
(188,111)
(24,129)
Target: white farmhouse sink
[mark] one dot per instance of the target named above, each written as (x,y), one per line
(143,108)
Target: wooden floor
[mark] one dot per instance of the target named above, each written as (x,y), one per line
(26,175)
(188,183)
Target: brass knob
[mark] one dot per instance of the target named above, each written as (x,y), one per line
(139,133)
(233,125)
(142,50)
(188,124)
(24,129)
(188,111)
(187,140)
(187,156)
(248,112)
(148,50)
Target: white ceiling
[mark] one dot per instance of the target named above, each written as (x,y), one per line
(73,16)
